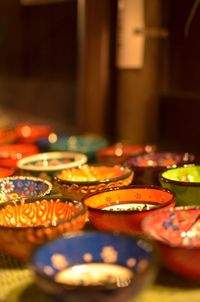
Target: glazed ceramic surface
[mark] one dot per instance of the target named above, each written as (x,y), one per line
(6,172)
(44,165)
(16,187)
(7,135)
(107,254)
(185,182)
(81,181)
(29,133)
(26,224)
(119,152)
(87,144)
(177,233)
(123,209)
(148,166)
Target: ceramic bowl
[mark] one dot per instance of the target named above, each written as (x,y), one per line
(148,166)
(44,165)
(6,172)
(94,266)
(81,181)
(26,224)
(177,234)
(16,187)
(30,133)
(185,182)
(45,144)
(119,152)
(7,135)
(122,209)
(87,143)
(10,154)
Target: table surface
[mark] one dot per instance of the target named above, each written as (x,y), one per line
(17,285)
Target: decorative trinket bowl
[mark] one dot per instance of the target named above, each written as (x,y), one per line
(177,234)
(122,209)
(119,152)
(45,143)
(88,144)
(94,266)
(44,165)
(30,133)
(10,154)
(81,181)
(185,182)
(148,166)
(26,224)
(17,187)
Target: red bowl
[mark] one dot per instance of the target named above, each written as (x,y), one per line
(30,133)
(10,154)
(119,152)
(122,209)
(6,172)
(7,136)
(177,234)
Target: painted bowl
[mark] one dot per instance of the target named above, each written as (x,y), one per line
(30,133)
(45,144)
(94,266)
(17,187)
(7,135)
(26,224)
(122,209)
(6,172)
(44,165)
(185,182)
(119,152)
(177,234)
(81,181)
(88,144)
(10,154)
(148,166)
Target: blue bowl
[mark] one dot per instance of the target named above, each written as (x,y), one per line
(85,255)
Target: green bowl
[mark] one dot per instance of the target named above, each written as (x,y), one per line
(184,182)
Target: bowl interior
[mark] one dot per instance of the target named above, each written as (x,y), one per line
(16,187)
(160,159)
(183,174)
(130,199)
(175,227)
(38,212)
(96,258)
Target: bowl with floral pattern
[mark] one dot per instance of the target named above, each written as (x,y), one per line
(94,266)
(44,165)
(89,178)
(177,234)
(122,209)
(148,166)
(22,187)
(28,223)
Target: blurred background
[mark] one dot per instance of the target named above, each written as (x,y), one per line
(124,69)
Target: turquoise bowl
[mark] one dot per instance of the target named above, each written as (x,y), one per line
(184,182)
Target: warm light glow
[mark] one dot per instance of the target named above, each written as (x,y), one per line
(52,138)
(26,131)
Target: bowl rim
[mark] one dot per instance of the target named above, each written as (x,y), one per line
(79,159)
(176,165)
(122,212)
(82,211)
(31,178)
(152,263)
(164,241)
(178,182)
(96,182)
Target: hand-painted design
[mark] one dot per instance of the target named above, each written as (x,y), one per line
(142,265)
(48,270)
(87,257)
(7,186)
(145,245)
(30,188)
(59,261)
(170,222)
(109,254)
(131,262)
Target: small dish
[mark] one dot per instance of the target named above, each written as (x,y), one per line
(29,133)
(44,165)
(148,166)
(16,187)
(81,181)
(94,266)
(123,209)
(119,152)
(26,224)
(177,234)
(185,182)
